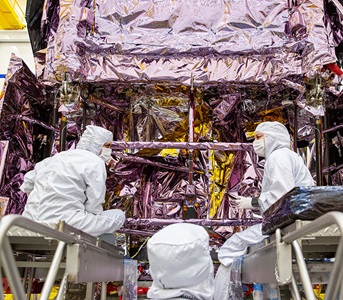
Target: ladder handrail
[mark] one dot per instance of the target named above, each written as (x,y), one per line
(331,218)
(8,221)
(7,256)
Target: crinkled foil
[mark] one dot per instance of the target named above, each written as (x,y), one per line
(302,203)
(24,120)
(307,23)
(333,17)
(152,169)
(151,182)
(337,178)
(3,156)
(128,66)
(142,41)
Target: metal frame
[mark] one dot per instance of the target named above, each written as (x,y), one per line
(328,227)
(82,251)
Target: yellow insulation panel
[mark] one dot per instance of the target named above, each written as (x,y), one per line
(11,15)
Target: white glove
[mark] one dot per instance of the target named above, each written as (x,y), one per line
(244,202)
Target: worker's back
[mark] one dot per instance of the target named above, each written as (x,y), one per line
(60,183)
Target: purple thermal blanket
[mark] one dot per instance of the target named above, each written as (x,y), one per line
(303,203)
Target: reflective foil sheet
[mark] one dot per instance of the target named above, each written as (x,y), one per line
(129,66)
(3,156)
(151,173)
(25,125)
(140,41)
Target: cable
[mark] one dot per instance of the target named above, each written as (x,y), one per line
(140,248)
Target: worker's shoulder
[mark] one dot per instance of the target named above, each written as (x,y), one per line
(78,155)
(283,151)
(282,155)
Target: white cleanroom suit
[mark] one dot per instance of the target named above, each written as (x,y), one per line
(71,186)
(180,263)
(284,169)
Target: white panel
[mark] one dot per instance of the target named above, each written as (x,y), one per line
(16,42)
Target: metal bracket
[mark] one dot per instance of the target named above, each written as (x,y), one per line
(283,268)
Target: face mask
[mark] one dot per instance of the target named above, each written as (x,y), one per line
(105,154)
(259,147)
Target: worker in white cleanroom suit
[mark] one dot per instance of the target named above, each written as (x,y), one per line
(180,263)
(71,186)
(284,169)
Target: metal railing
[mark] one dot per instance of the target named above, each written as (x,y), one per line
(336,276)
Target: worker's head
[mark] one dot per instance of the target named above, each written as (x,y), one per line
(270,136)
(180,263)
(95,139)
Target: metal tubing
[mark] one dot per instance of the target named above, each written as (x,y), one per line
(90,291)
(11,270)
(202,222)
(310,157)
(191,130)
(1,285)
(62,289)
(326,152)
(55,112)
(334,285)
(122,145)
(63,133)
(294,289)
(24,278)
(6,253)
(326,220)
(191,165)
(51,277)
(305,278)
(295,138)
(84,116)
(341,288)
(54,123)
(148,127)
(319,158)
(10,220)
(335,128)
(29,285)
(103,290)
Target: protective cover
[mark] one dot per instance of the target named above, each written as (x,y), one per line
(303,203)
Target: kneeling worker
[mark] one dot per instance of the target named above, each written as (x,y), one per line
(71,186)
